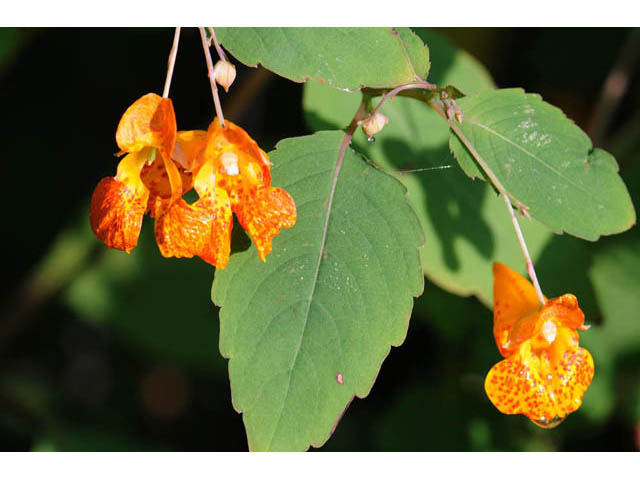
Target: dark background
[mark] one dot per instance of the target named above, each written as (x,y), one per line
(104,351)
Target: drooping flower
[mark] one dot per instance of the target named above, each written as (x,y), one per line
(147,135)
(545,372)
(231,175)
(228,170)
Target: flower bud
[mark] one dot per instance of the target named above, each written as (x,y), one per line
(374,123)
(225,73)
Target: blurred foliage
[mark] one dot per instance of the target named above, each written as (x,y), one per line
(101,350)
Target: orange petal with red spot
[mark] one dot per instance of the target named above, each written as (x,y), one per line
(270,210)
(233,137)
(513,298)
(118,205)
(566,309)
(202,229)
(545,385)
(573,370)
(149,122)
(157,181)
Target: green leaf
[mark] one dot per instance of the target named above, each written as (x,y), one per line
(466,225)
(307,330)
(327,108)
(545,161)
(345,58)
(453,66)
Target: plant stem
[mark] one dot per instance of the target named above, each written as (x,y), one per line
(172,62)
(474,153)
(392,93)
(525,251)
(346,141)
(212,80)
(214,40)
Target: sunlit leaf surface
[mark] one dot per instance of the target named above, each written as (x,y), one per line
(307,330)
(545,161)
(345,58)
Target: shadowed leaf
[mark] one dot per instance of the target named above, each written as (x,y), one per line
(466,225)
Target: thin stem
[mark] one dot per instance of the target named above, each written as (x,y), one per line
(214,40)
(212,80)
(525,251)
(346,141)
(492,177)
(392,93)
(172,62)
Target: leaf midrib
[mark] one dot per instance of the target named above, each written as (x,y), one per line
(336,172)
(473,121)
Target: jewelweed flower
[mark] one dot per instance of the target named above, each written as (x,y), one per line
(231,175)
(148,138)
(224,165)
(545,372)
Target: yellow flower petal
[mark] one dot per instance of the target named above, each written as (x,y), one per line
(545,386)
(546,372)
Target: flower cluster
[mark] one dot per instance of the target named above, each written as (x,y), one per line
(227,169)
(545,372)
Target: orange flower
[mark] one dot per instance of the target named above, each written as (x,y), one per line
(228,170)
(147,134)
(231,175)
(545,373)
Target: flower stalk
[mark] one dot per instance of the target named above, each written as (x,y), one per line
(172,62)
(213,40)
(212,80)
(525,252)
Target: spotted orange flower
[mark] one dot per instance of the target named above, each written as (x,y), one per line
(228,170)
(147,136)
(231,175)
(545,372)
